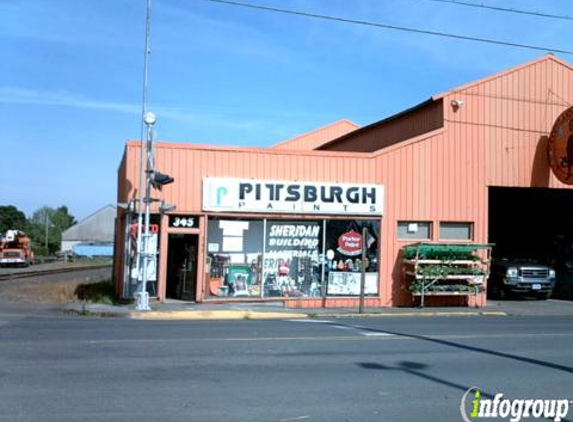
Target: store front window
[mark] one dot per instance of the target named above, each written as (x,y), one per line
(292,256)
(235,253)
(271,258)
(344,243)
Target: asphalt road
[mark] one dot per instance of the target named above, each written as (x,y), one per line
(371,369)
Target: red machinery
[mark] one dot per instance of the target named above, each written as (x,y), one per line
(15,249)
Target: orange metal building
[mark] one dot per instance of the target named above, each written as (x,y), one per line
(430,168)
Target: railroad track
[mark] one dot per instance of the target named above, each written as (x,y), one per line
(39,273)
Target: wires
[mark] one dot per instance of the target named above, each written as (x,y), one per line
(505,9)
(385,26)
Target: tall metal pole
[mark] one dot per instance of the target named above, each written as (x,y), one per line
(139,255)
(363,273)
(46,238)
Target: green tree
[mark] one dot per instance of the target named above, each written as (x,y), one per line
(45,228)
(11,218)
(63,219)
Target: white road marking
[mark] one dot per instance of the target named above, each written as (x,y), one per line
(369,332)
(318,321)
(296,418)
(375,334)
(560,301)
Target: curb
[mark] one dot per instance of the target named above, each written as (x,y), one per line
(414,314)
(222,315)
(211,315)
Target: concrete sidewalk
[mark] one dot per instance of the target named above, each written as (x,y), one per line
(178,310)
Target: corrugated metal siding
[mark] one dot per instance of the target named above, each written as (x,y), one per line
(433,180)
(318,137)
(418,121)
(512,114)
(189,166)
(97,227)
(122,193)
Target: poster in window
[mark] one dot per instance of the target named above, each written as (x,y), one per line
(348,283)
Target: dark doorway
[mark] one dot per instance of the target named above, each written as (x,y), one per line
(533,223)
(182,266)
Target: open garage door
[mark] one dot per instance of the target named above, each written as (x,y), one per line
(533,223)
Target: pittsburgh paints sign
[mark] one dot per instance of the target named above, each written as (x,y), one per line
(272,196)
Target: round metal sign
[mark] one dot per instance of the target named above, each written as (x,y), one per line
(560,147)
(350,243)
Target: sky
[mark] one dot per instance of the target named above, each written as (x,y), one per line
(71,77)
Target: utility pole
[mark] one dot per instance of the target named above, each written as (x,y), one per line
(139,246)
(46,237)
(146,256)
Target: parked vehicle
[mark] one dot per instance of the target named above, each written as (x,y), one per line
(520,277)
(15,249)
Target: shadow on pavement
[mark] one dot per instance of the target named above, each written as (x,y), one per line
(415,368)
(448,343)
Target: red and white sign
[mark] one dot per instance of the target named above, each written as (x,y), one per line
(153,229)
(350,243)
(560,147)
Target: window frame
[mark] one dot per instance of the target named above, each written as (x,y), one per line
(470,225)
(428,222)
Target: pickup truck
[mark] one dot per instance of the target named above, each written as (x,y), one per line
(520,277)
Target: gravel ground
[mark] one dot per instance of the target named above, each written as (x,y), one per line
(49,266)
(51,289)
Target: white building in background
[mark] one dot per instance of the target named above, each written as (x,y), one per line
(96,230)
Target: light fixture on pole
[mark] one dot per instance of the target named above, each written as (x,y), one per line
(149,121)
(165,207)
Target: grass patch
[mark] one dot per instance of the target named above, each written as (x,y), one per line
(92,261)
(102,292)
(82,313)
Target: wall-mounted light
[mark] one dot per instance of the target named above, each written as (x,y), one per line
(165,207)
(127,205)
(456,104)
